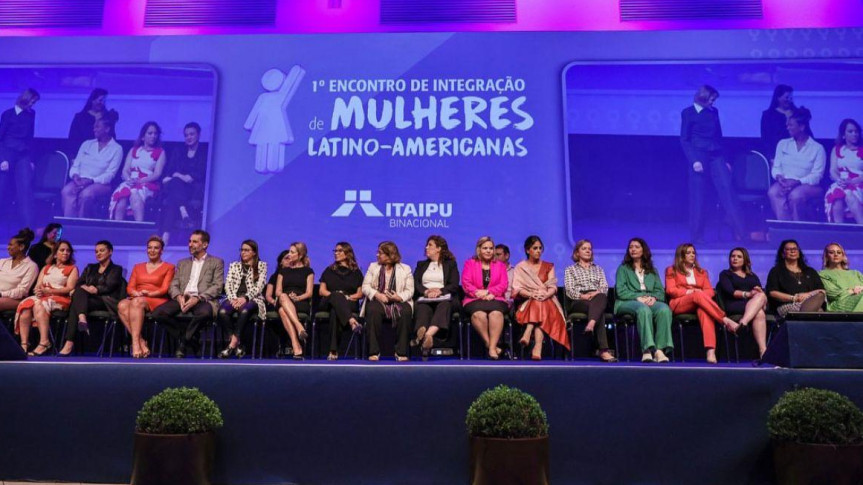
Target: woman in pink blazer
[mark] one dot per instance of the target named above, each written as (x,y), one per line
(485,282)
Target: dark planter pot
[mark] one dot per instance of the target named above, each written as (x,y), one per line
(517,461)
(173,458)
(800,463)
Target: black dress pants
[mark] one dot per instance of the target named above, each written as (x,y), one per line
(375,316)
(166,314)
(82,303)
(595,309)
(340,309)
(433,314)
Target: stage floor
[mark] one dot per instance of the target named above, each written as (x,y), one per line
(350,422)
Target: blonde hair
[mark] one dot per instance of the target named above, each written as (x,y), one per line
(479,243)
(302,253)
(825,258)
(680,259)
(578,245)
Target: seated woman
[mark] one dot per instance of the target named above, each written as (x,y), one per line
(341,290)
(689,290)
(845,195)
(587,289)
(798,166)
(844,287)
(792,285)
(243,295)
(53,287)
(44,249)
(148,288)
(388,287)
(485,282)
(186,172)
(100,287)
(294,287)
(436,291)
(640,294)
(534,283)
(17,272)
(141,174)
(92,171)
(743,294)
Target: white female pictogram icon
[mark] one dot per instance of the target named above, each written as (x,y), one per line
(268,120)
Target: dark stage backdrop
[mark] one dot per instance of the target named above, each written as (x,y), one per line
(372,137)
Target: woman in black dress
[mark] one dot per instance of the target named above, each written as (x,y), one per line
(41,251)
(94,109)
(436,283)
(186,170)
(792,285)
(294,287)
(773,119)
(742,294)
(341,290)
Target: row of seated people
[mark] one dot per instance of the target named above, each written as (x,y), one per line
(97,160)
(797,163)
(419,302)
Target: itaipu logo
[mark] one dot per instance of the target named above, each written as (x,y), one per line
(400,214)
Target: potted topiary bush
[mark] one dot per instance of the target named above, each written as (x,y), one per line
(817,438)
(508,433)
(175,438)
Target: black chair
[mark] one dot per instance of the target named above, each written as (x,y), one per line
(506,334)
(49,177)
(577,322)
(273,319)
(322,319)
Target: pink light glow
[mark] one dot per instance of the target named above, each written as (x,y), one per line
(126,17)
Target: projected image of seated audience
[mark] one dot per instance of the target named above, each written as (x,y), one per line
(717,151)
(128,144)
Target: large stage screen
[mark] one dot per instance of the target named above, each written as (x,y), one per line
(628,170)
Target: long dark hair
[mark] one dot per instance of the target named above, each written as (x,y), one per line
(252,244)
(50,227)
(53,257)
(350,256)
(95,93)
(780,254)
(646,256)
(680,259)
(747,262)
(778,91)
(840,139)
(530,242)
(140,140)
(445,253)
(280,258)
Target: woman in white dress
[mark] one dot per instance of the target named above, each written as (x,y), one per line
(141,174)
(845,195)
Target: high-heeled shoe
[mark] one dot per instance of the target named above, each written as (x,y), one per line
(46,348)
(303,335)
(240,351)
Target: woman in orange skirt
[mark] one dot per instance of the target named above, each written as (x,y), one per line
(534,287)
(53,287)
(148,288)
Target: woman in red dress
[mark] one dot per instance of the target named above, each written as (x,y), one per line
(534,288)
(148,288)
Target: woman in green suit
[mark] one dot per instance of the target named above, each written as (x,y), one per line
(640,293)
(844,286)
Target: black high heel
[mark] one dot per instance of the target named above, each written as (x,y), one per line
(227,352)
(40,354)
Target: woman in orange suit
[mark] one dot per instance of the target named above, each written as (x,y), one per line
(147,289)
(689,291)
